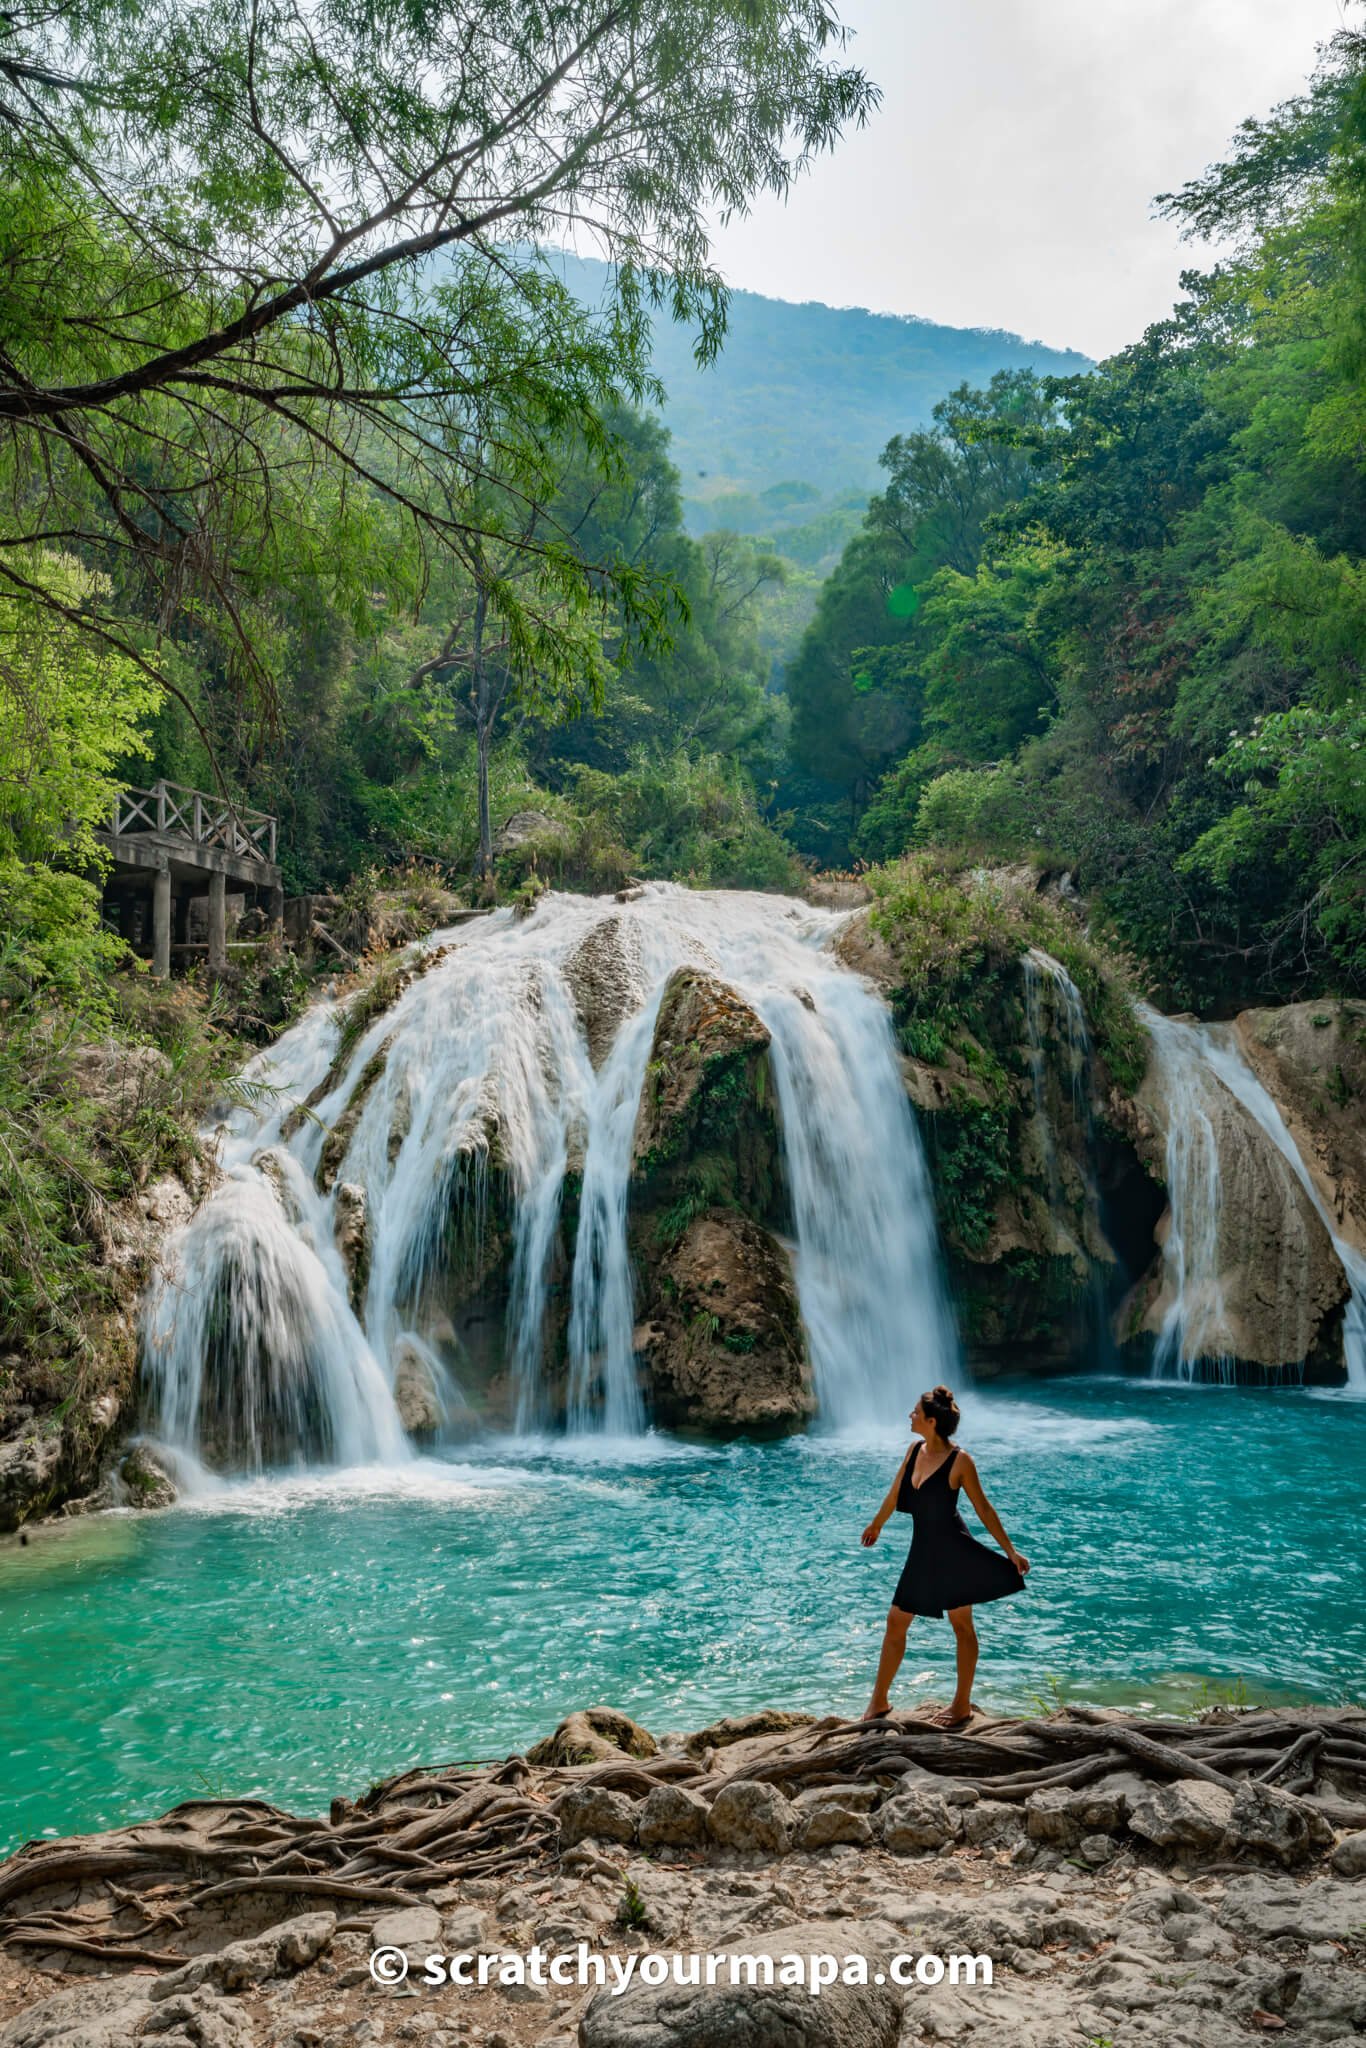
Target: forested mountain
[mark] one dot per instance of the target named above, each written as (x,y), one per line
(780,435)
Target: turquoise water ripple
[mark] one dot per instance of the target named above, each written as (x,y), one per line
(301,1638)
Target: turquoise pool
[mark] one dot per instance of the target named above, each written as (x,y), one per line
(302,1637)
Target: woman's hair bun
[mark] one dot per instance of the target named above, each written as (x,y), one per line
(942,1409)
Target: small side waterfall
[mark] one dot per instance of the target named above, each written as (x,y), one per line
(1199,1064)
(1194,1327)
(1052,997)
(1237,1076)
(1040,970)
(441,1141)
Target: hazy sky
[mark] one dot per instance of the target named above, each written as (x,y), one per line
(1007,179)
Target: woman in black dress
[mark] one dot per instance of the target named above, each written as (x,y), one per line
(947,1570)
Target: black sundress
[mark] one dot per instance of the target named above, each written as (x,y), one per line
(946,1566)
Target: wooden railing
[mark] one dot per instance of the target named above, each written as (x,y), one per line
(173,812)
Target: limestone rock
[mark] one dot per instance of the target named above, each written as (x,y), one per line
(606,978)
(270,1163)
(659,1898)
(167,1202)
(1331,2002)
(744,1728)
(705,1036)
(1349,1857)
(351,1230)
(119,1079)
(1311,1059)
(290,1946)
(834,1813)
(416,1930)
(337,1143)
(1272,1907)
(863,951)
(521,827)
(92,2014)
(914,1818)
(597,1734)
(725,1348)
(199,2019)
(1268,1822)
(993,1821)
(464,1931)
(672,1817)
(593,1811)
(761,2015)
(143,1481)
(1187,1814)
(751,1816)
(1064,1814)
(30,1474)
(417,1398)
(720,1336)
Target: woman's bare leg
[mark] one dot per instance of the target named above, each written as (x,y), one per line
(965,1643)
(889,1663)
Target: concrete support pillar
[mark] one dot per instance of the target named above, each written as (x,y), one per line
(276,912)
(218,924)
(161,924)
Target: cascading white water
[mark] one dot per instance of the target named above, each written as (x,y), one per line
(1196,1058)
(1043,973)
(480,1075)
(1042,969)
(1226,1060)
(1193,1325)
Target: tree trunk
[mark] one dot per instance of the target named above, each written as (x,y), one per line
(483,732)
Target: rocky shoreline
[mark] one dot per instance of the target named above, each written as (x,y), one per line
(1131,1881)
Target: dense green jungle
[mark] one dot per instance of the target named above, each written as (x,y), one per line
(1106,624)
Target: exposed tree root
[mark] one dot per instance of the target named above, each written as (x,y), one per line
(413,1834)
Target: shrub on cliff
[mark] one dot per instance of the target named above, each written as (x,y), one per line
(958,935)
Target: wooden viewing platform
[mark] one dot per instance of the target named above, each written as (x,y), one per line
(171,845)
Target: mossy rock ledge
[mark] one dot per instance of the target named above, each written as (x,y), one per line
(719,1335)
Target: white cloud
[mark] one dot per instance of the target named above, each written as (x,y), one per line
(1007,179)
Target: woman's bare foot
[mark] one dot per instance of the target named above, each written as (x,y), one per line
(953,1716)
(875,1712)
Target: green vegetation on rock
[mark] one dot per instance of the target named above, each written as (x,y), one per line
(958,934)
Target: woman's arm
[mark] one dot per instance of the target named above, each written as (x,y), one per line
(888,1508)
(965,1474)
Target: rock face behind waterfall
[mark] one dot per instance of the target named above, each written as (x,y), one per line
(1046,1204)
(1276,1295)
(720,1335)
(604,973)
(724,1348)
(1311,1059)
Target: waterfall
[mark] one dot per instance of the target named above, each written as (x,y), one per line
(1197,1062)
(441,1141)
(1227,1061)
(1040,968)
(1043,974)
(1193,1326)
(1042,971)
